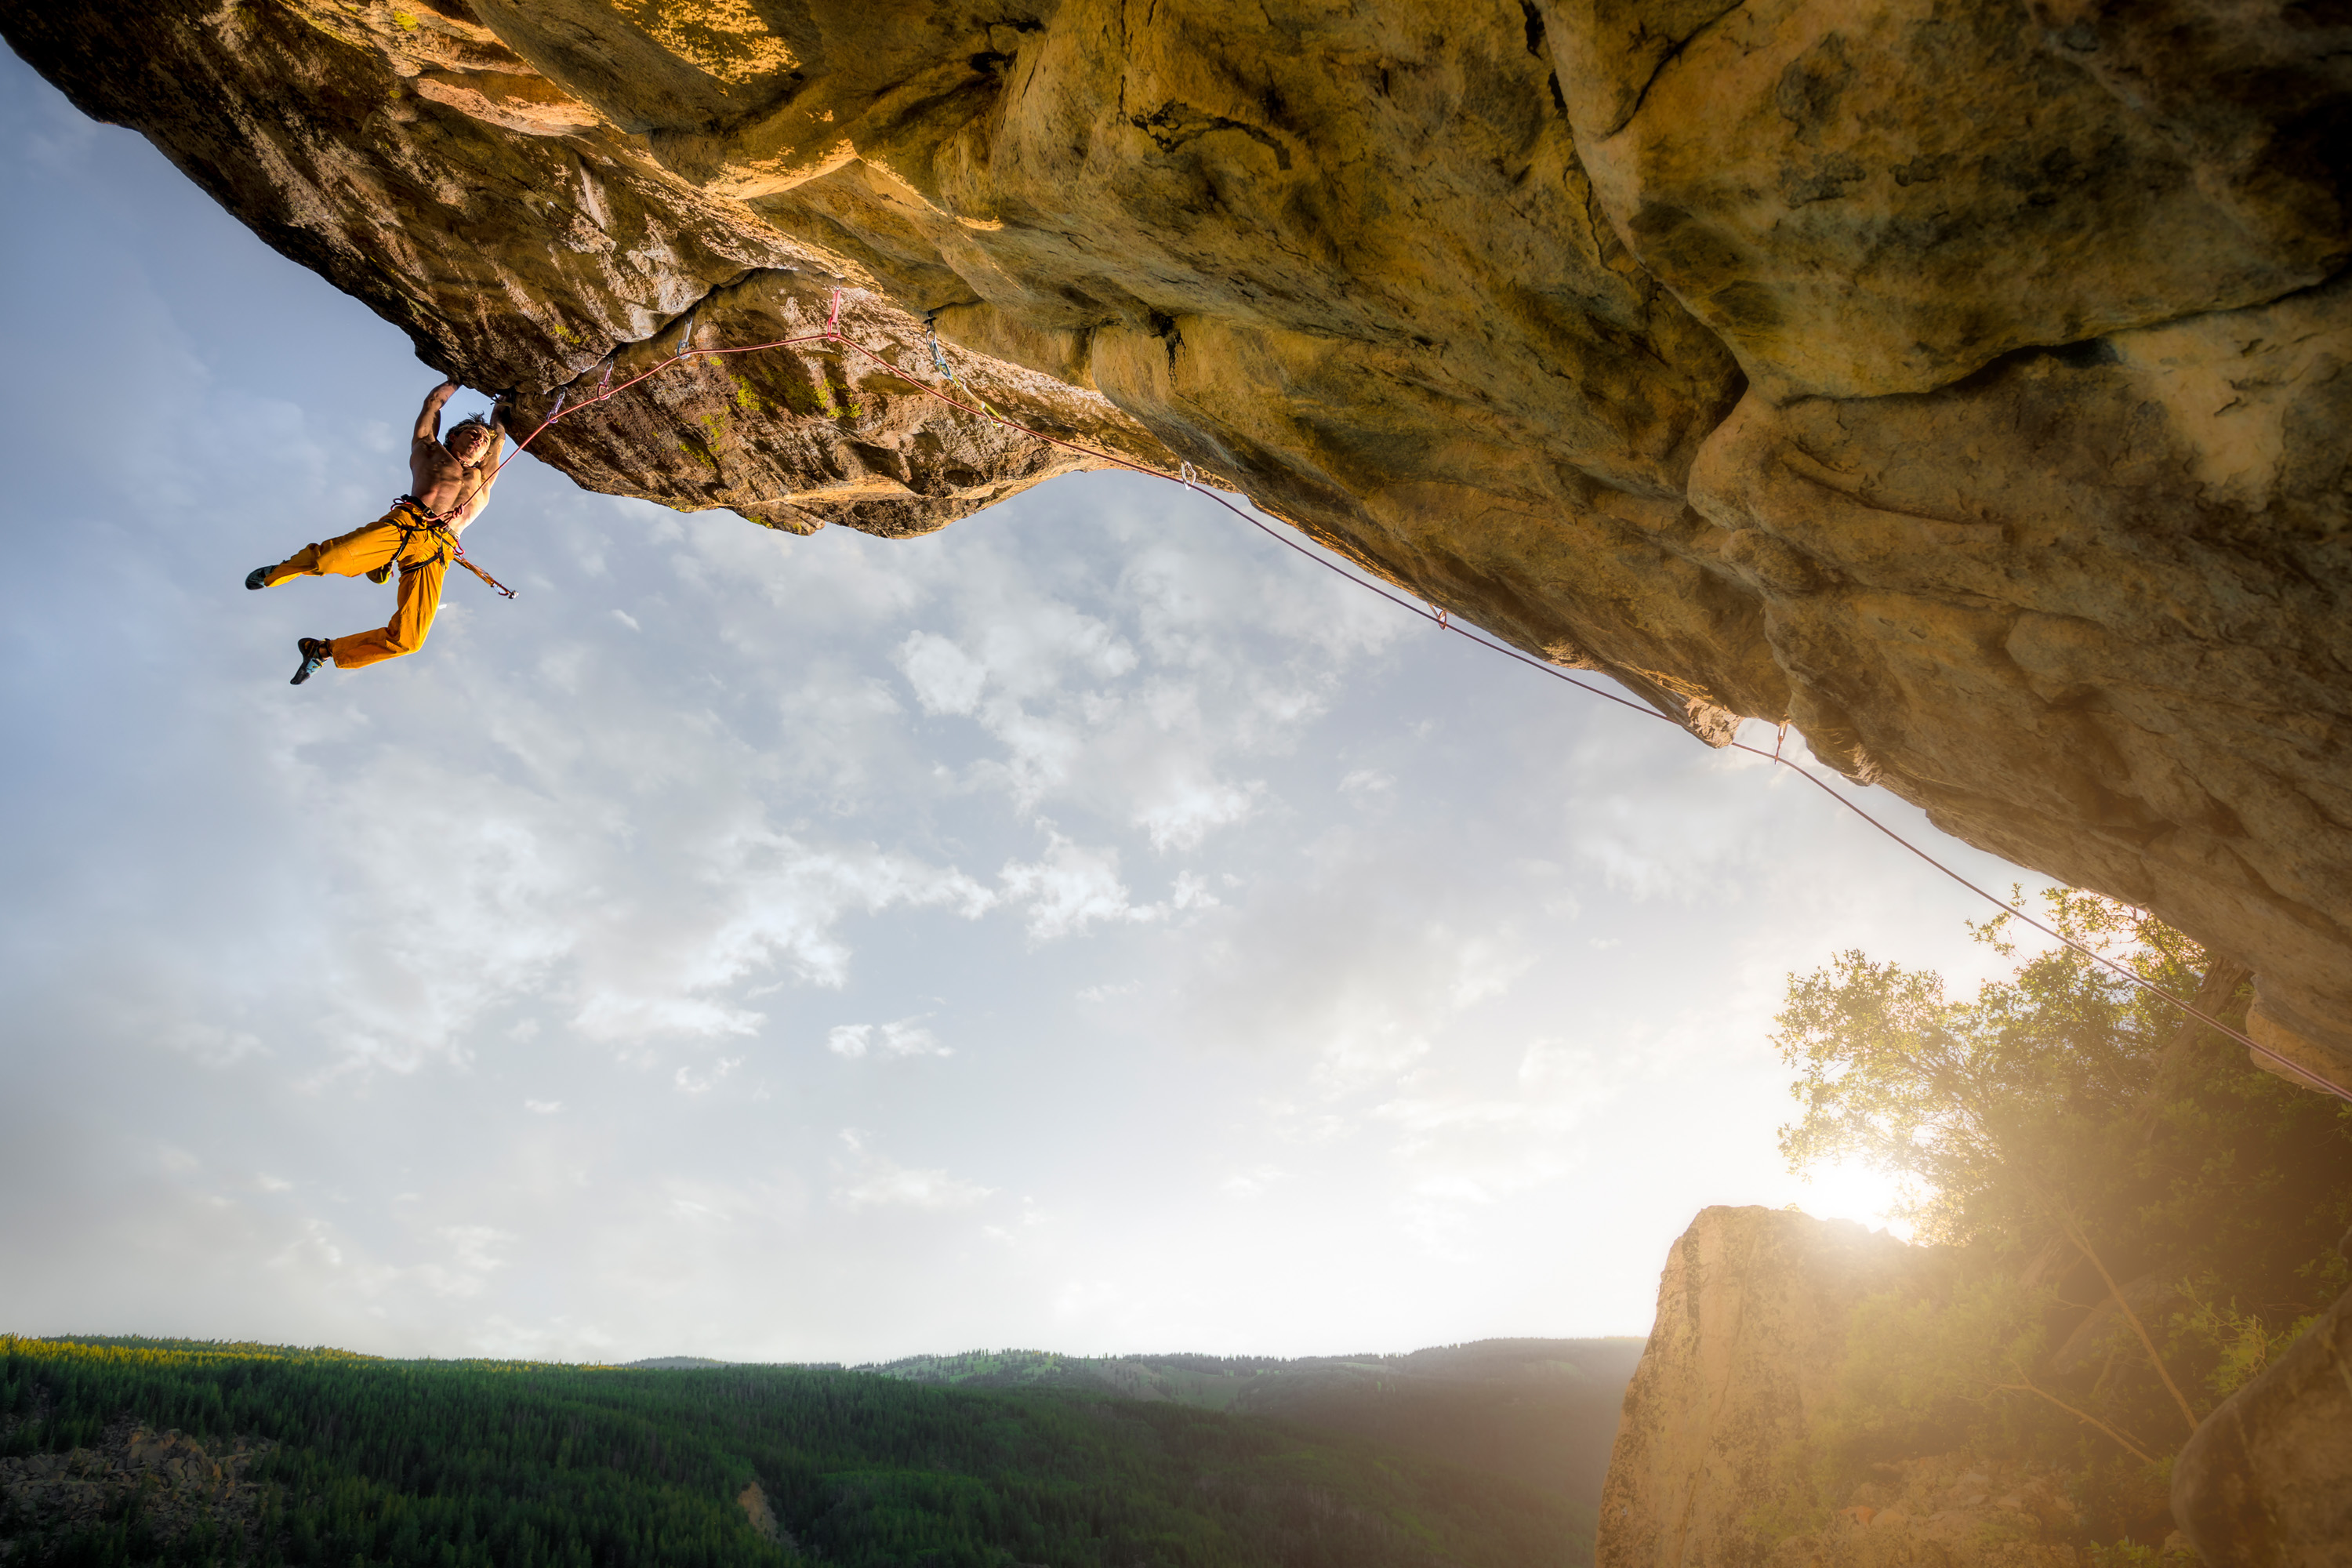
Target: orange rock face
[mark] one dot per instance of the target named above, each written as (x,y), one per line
(1749,1353)
(1967,383)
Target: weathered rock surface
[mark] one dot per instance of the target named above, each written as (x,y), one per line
(1723,1419)
(1954,1511)
(2267,1480)
(1748,1346)
(176,1485)
(1967,382)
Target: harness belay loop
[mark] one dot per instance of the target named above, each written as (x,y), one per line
(436,524)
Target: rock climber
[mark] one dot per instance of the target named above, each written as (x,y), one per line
(450,483)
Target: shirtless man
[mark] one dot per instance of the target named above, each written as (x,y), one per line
(451,483)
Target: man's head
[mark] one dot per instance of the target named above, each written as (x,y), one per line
(468,439)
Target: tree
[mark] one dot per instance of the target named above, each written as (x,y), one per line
(2110,1172)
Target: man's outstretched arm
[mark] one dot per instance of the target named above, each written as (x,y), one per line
(429,418)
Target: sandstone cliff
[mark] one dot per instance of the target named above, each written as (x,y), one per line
(1747,1345)
(1721,1449)
(1964,382)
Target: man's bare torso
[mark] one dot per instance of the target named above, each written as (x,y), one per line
(437,479)
(451,478)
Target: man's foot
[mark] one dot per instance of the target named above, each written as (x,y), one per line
(258,578)
(315,652)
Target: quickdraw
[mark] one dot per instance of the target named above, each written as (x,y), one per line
(435,523)
(939,363)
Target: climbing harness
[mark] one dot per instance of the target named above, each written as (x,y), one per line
(1437,615)
(435,523)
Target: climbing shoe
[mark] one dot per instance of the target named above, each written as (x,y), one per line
(258,578)
(314,654)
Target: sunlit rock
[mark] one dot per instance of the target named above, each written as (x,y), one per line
(1967,385)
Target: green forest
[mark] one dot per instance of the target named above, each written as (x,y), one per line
(353,1462)
(1542,1412)
(2133,1218)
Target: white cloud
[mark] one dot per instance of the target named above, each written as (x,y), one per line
(1068,889)
(1359,977)
(704,790)
(472,1260)
(899,1186)
(1184,811)
(471,1245)
(945,680)
(212,1045)
(768,900)
(906,1038)
(1250,1183)
(689,1081)
(872,1181)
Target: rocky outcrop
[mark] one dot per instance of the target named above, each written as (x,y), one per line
(1722,1421)
(1748,1345)
(753,1502)
(2267,1480)
(1954,1511)
(172,1485)
(1966,384)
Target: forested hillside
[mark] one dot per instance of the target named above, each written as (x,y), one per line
(340,1459)
(1539,1411)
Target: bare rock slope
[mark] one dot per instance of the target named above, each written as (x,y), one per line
(1964,382)
(1746,1361)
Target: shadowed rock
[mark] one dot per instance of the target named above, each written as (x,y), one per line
(1967,384)
(2267,1480)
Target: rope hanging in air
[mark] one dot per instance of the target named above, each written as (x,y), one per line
(1436,615)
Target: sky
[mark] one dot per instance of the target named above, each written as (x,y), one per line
(1091,927)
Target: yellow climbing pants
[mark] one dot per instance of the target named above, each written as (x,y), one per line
(423,557)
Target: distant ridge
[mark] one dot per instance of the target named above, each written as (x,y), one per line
(1542,1412)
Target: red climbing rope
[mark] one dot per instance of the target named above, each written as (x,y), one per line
(1187,476)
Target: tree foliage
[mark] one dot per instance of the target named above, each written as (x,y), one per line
(519,1465)
(2140,1217)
